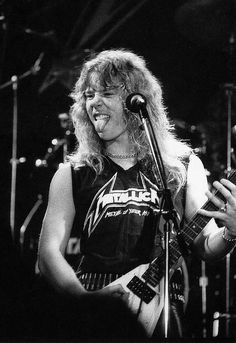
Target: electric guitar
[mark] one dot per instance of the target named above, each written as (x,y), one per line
(145,283)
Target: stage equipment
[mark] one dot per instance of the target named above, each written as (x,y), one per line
(14,81)
(212,24)
(136,103)
(44,169)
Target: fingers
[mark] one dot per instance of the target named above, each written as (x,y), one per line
(215,200)
(231,186)
(226,212)
(223,190)
(116,291)
(119,291)
(227,189)
(212,214)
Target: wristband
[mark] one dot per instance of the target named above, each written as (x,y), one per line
(228,239)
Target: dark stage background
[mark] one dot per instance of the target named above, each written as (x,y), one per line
(189,46)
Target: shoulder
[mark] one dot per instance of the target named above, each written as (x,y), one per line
(195,167)
(61,180)
(60,191)
(197,185)
(81,173)
(196,174)
(63,172)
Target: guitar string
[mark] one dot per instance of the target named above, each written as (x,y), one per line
(206,206)
(189,232)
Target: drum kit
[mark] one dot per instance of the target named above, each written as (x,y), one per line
(207,23)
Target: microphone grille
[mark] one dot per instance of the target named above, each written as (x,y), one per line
(135,101)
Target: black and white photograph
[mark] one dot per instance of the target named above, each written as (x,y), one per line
(118,182)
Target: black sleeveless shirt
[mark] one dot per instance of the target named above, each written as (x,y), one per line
(117,218)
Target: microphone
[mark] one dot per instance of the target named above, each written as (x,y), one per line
(135,102)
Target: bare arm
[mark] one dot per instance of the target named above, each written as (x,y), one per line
(55,234)
(54,237)
(209,244)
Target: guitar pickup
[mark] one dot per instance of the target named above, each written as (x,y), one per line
(141,289)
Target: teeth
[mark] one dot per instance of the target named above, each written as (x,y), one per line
(101,116)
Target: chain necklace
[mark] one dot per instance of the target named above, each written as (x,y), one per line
(120,156)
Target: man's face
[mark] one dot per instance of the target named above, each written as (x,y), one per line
(105,109)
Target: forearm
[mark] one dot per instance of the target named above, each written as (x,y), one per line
(216,245)
(59,274)
(219,244)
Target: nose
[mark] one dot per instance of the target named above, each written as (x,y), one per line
(97,100)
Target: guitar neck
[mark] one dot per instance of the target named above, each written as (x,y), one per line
(190,231)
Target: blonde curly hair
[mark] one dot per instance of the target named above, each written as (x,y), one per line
(127,69)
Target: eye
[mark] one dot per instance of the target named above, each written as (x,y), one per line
(108,93)
(88,95)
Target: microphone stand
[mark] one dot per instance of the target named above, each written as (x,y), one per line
(168,212)
(14,161)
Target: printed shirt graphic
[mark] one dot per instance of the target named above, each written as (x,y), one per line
(110,202)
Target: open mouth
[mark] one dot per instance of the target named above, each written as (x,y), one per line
(100,116)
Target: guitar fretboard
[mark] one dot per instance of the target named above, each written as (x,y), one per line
(190,231)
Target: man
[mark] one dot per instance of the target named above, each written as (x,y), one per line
(108,197)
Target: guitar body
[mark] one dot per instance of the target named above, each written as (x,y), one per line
(148,312)
(145,283)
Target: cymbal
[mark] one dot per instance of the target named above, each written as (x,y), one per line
(207,22)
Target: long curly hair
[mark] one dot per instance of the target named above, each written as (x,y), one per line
(127,69)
